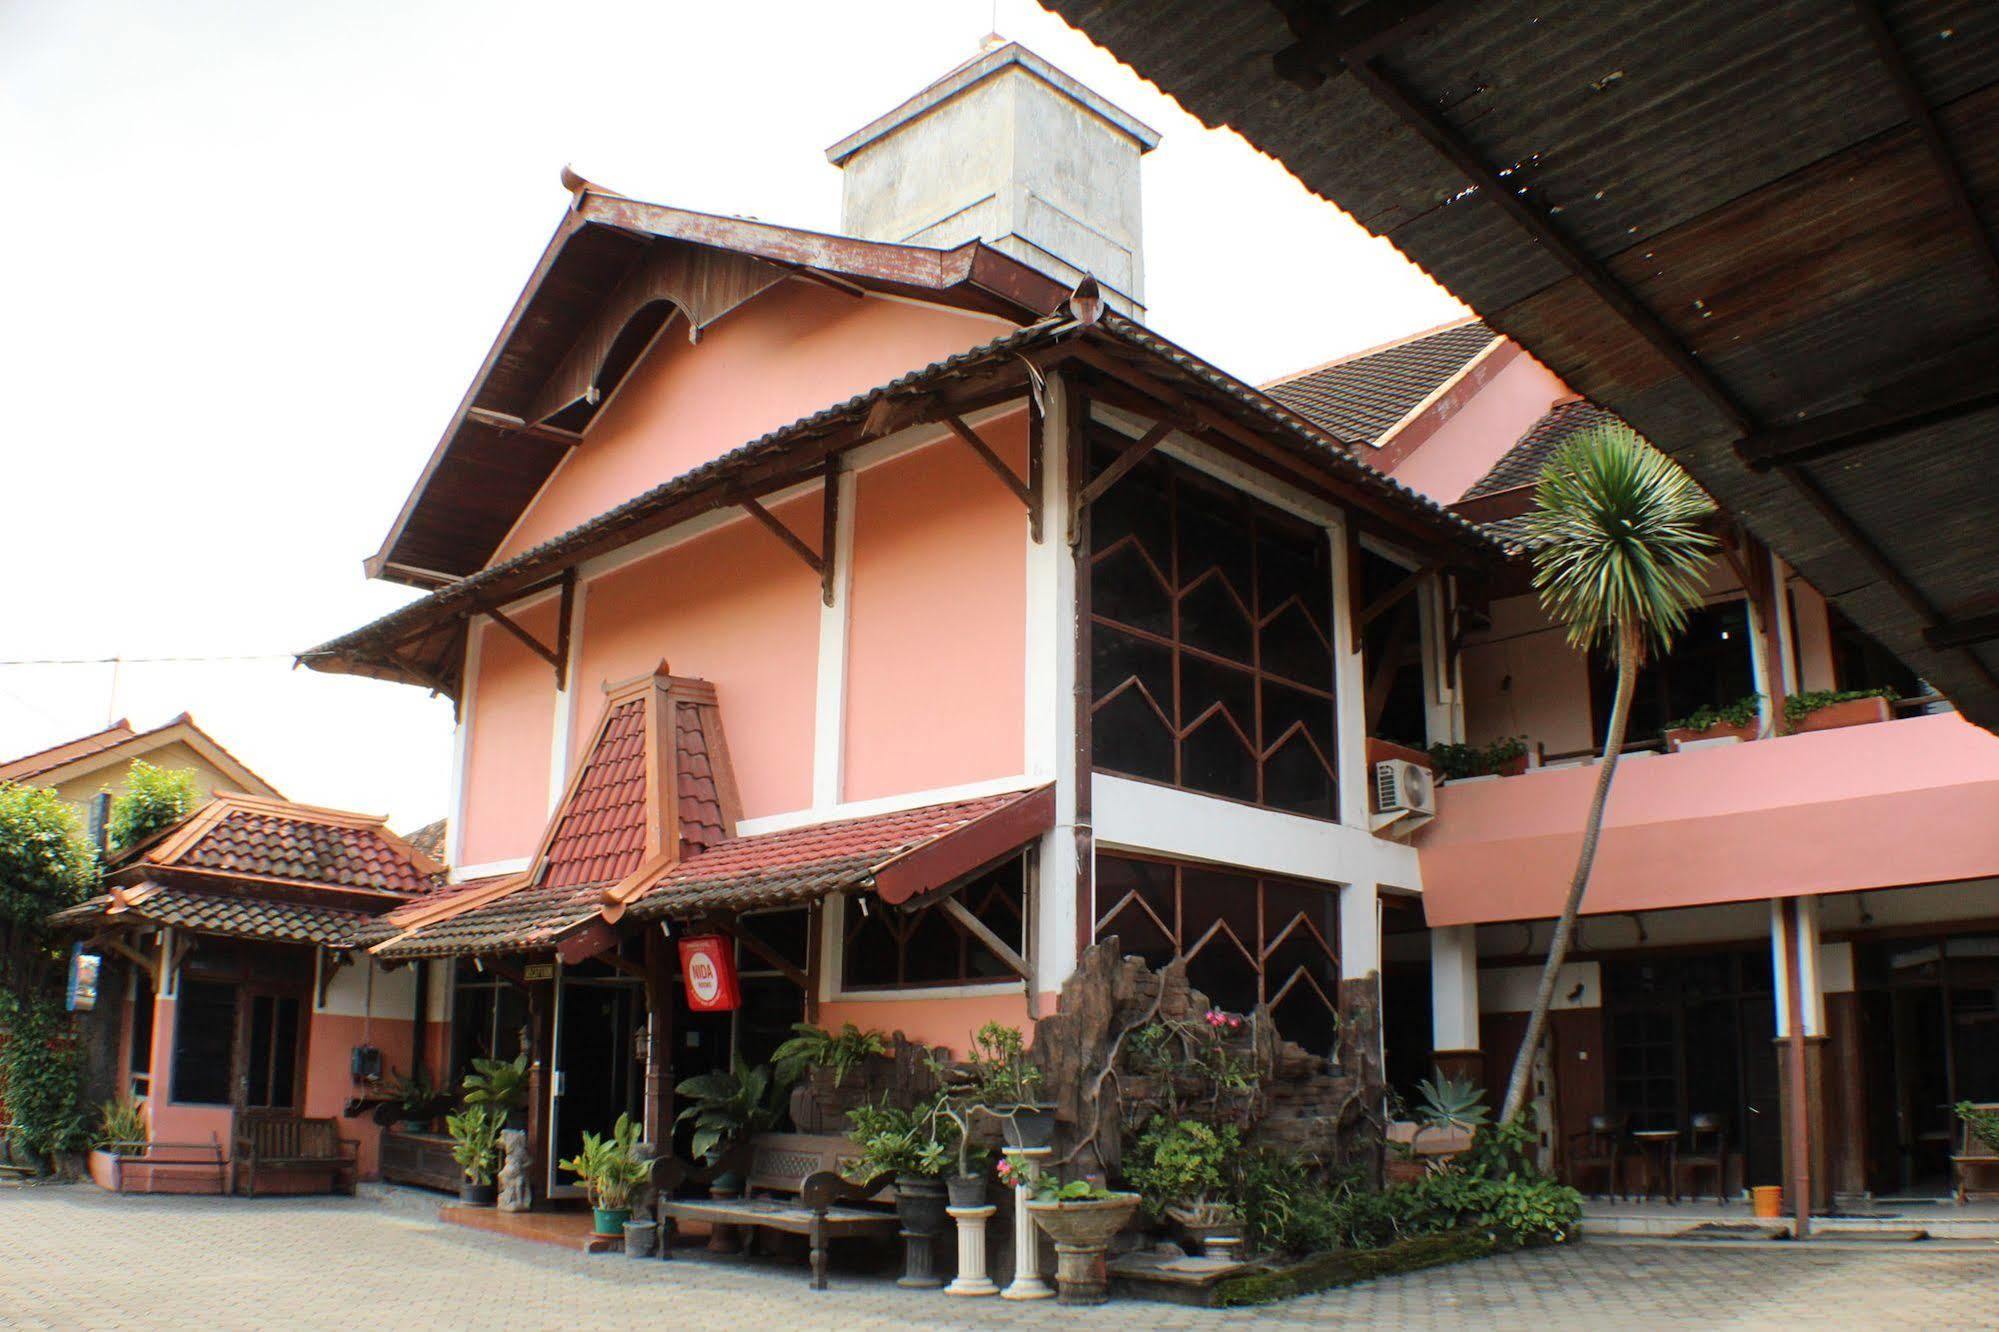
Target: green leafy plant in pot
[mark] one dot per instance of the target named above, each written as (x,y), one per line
(906,1143)
(1181,1169)
(838,1053)
(1082,1218)
(611,1171)
(502,1085)
(415,1099)
(475,1145)
(726,1106)
(998,1079)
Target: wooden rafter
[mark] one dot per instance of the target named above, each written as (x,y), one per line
(557,656)
(977,928)
(516,425)
(1963,633)
(1404,585)
(1381,674)
(829,526)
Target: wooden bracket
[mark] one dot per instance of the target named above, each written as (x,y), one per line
(109,939)
(813,560)
(557,656)
(829,526)
(1387,600)
(330,962)
(515,425)
(961,913)
(993,463)
(1129,457)
(764,952)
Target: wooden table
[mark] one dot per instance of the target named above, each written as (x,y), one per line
(1656,1148)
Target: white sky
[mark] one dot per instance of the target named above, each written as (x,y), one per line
(252,253)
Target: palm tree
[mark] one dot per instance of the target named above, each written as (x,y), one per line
(1619,559)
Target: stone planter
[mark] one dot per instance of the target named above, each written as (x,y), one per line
(476,1195)
(1679,735)
(966,1190)
(919,1205)
(1853,712)
(1030,1128)
(1215,1236)
(641,1239)
(1082,1232)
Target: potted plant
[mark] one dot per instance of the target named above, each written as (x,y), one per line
(611,1171)
(906,1144)
(416,1099)
(1082,1218)
(475,1145)
(1180,1169)
(1829,709)
(727,1105)
(501,1084)
(1741,719)
(814,1048)
(1504,757)
(998,1080)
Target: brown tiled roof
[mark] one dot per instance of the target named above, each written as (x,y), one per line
(237,915)
(1522,464)
(55,756)
(600,831)
(430,838)
(247,837)
(701,820)
(742,873)
(1363,397)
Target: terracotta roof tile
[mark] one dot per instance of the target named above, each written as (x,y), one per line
(237,915)
(600,832)
(772,869)
(271,841)
(55,756)
(430,838)
(1362,397)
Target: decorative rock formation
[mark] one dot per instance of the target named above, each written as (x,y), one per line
(514,1194)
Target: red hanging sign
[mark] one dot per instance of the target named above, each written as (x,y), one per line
(708,965)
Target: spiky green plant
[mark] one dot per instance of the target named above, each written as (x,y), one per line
(1620,559)
(1450,1103)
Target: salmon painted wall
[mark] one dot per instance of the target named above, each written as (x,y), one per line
(947,1022)
(732,607)
(512,727)
(936,691)
(1873,806)
(1461,435)
(786,354)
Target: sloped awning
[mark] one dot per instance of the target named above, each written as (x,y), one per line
(900,856)
(228,914)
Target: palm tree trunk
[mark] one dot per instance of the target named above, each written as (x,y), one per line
(1558,946)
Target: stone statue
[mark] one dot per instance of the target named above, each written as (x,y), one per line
(514,1196)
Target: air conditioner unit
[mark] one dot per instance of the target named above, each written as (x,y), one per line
(1400,785)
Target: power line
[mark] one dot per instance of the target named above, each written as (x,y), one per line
(142,661)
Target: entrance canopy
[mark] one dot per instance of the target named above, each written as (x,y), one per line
(900,856)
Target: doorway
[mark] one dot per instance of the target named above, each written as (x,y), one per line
(1929,1031)
(598,1062)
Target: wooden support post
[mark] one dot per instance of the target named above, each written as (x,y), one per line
(564,619)
(659,1039)
(1037,481)
(1076,458)
(829,526)
(1129,457)
(539,1018)
(1798,1152)
(813,560)
(992,460)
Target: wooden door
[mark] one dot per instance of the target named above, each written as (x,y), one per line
(270,1047)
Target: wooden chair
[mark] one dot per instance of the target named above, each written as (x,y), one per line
(1974,1166)
(283,1140)
(1707,1149)
(1598,1147)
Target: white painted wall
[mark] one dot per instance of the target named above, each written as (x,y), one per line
(1511,989)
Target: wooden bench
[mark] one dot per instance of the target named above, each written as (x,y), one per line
(281,1140)
(1973,1159)
(792,1184)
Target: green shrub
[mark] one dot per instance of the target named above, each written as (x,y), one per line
(45,865)
(1475,760)
(154,798)
(43,1081)
(1706,717)
(1182,1163)
(121,1122)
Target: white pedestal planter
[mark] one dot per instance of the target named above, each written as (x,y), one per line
(1027,1283)
(972,1278)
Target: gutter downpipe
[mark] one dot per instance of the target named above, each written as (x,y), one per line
(1800,1125)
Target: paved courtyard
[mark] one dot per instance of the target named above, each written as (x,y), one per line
(75,1257)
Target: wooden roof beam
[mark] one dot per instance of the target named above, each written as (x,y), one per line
(515,425)
(1328,41)
(1939,392)
(994,463)
(1963,633)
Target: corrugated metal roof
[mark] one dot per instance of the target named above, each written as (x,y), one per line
(1746,172)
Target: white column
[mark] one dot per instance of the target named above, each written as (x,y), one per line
(1350,687)
(1809,983)
(1051,716)
(1360,930)
(1443,703)
(829,715)
(461,745)
(565,699)
(1454,987)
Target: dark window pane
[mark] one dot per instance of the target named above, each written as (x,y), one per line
(262,1036)
(1124,587)
(1137,505)
(1217,759)
(890,947)
(1129,737)
(1116,657)
(1294,647)
(204,1042)
(142,1025)
(284,1054)
(1214,619)
(873,952)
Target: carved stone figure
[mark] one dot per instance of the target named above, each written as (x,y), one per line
(514,1195)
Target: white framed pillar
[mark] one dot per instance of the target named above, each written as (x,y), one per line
(1454,990)
(1051,738)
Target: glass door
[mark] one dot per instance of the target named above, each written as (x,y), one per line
(598,1064)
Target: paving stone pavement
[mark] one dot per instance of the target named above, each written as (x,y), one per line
(73,1257)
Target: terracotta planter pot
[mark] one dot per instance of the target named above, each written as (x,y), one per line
(1082,1232)
(1853,712)
(1720,730)
(1401,1171)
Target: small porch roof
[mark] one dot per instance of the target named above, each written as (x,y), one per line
(233,914)
(899,855)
